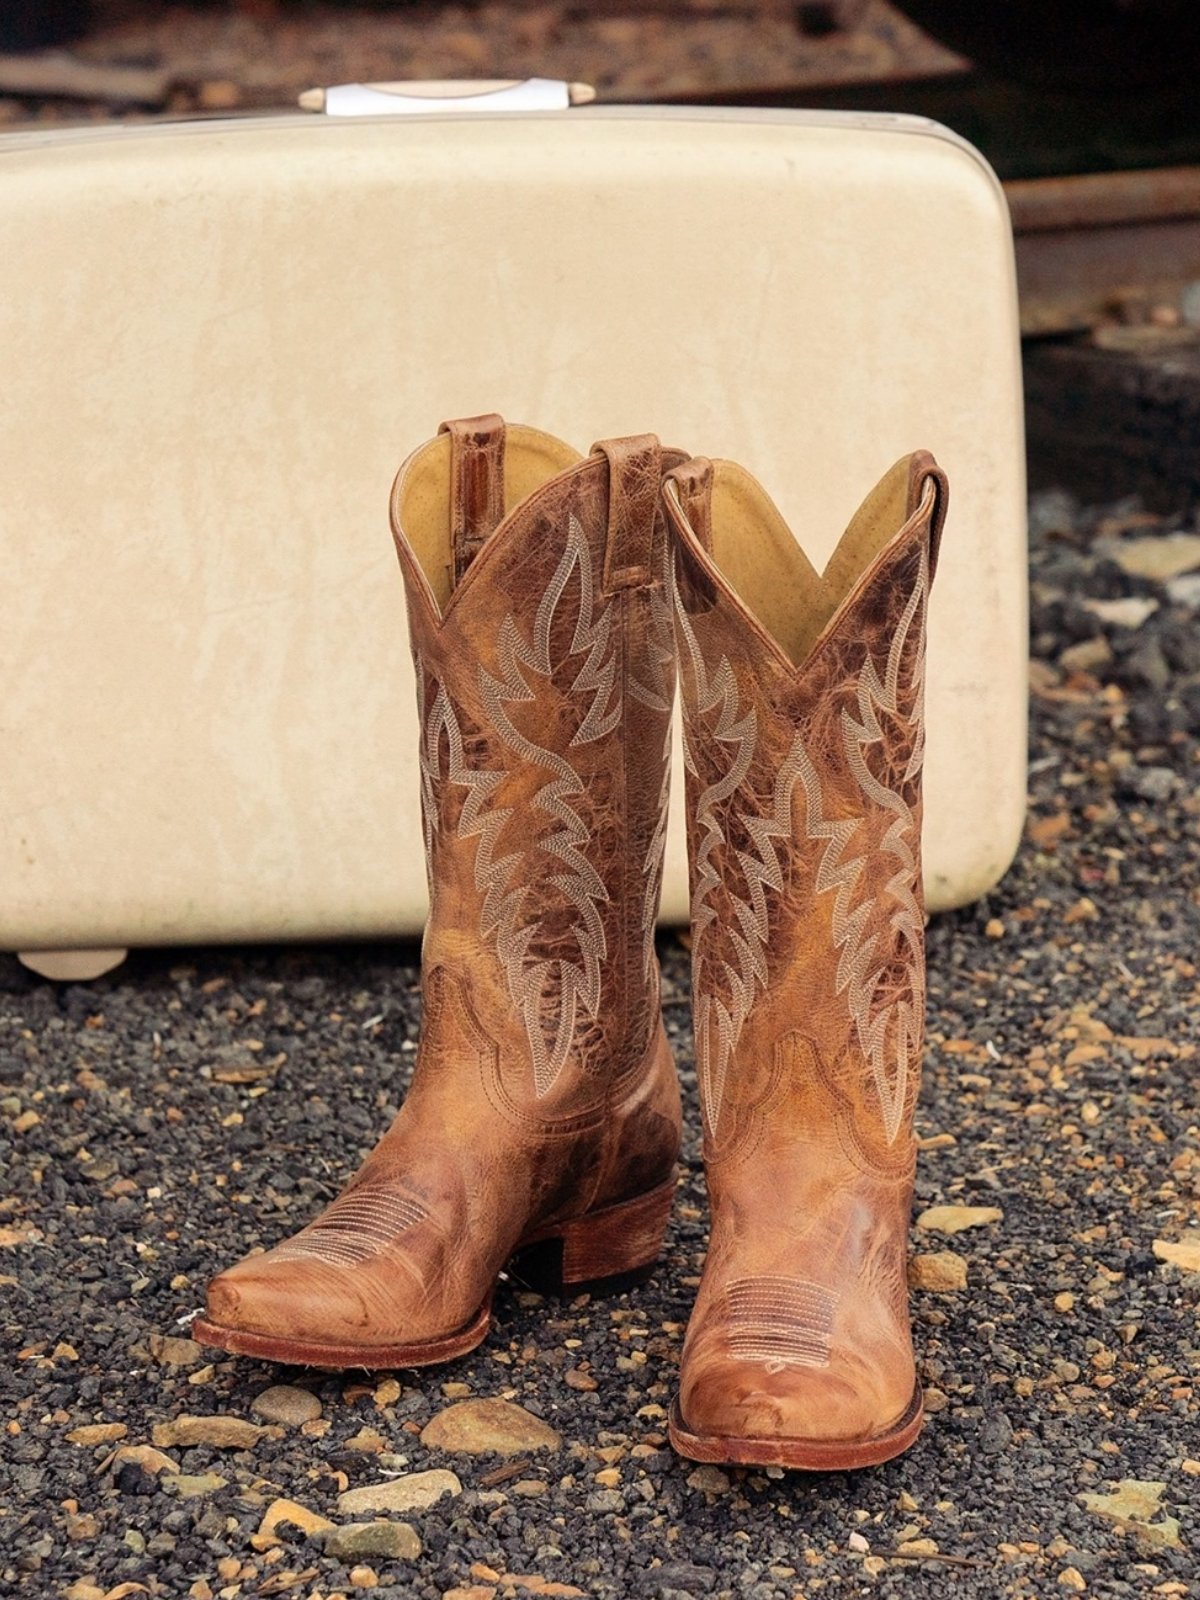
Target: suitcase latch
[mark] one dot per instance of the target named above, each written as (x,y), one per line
(449,94)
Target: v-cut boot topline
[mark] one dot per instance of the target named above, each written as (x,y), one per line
(803,720)
(543,1118)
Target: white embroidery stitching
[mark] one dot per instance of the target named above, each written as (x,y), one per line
(575,986)
(732,727)
(356,1227)
(781,1322)
(859,973)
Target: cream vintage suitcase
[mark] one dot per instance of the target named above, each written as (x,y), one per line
(221,338)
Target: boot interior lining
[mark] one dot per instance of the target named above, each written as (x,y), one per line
(531,458)
(761,558)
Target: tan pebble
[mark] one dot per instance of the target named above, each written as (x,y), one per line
(171,1352)
(368,1440)
(1183,1254)
(293,1514)
(937,1141)
(27,1120)
(387,1393)
(474,1427)
(1084,910)
(228,1568)
(1072,1578)
(470,1591)
(917,1547)
(709,1480)
(905,1501)
(140,1455)
(1064,1302)
(529,1488)
(225,1433)
(1191,1467)
(193,1485)
(994,928)
(201,1590)
(941,1272)
(1083,1053)
(364,1577)
(935,1401)
(874,1565)
(1023,1387)
(610,1477)
(954,1219)
(413,1491)
(97,1433)
(287,1404)
(486,1573)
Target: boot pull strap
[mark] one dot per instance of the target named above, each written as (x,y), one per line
(634,476)
(476,485)
(693,483)
(926,477)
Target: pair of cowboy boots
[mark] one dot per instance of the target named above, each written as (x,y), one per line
(550,599)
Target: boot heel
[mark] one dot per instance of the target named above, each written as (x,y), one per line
(604,1252)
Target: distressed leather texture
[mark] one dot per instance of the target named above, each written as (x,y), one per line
(544,1091)
(804,820)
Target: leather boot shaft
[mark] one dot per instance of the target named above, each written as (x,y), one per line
(543,1118)
(802,699)
(545,678)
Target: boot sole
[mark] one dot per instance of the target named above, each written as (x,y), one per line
(604,1252)
(802,1455)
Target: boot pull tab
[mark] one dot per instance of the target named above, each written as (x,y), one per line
(476,485)
(693,483)
(634,476)
(925,477)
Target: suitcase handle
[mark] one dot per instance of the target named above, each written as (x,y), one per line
(448,94)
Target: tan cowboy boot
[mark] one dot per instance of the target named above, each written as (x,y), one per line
(802,699)
(544,1108)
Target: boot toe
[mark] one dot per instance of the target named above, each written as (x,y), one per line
(289,1300)
(844,1402)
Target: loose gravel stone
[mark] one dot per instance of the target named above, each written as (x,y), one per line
(226,1433)
(97,1433)
(287,1405)
(483,1427)
(191,1486)
(939,1271)
(396,1540)
(416,1491)
(171,1352)
(288,1514)
(954,1219)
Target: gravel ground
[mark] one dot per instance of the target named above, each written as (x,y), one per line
(160,1122)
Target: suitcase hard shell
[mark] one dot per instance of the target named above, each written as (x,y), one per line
(220,340)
